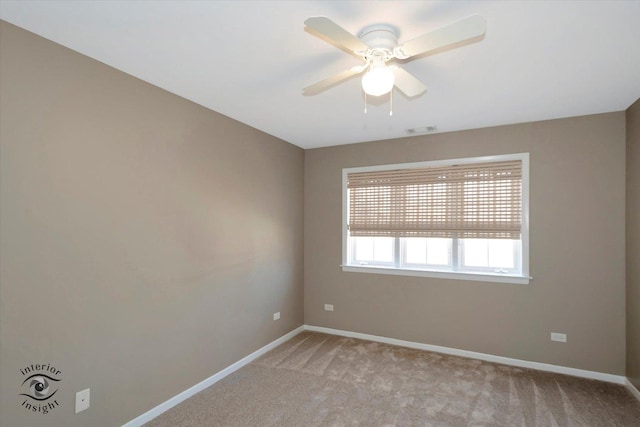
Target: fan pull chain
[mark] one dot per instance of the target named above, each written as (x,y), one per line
(391,103)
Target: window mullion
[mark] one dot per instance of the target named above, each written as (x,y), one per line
(455,254)
(396,252)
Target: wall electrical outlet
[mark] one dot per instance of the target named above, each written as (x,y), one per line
(276,316)
(328,307)
(558,337)
(82,400)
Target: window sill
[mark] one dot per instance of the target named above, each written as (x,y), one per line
(482,277)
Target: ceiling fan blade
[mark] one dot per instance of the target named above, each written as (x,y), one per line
(460,31)
(335,34)
(406,83)
(333,80)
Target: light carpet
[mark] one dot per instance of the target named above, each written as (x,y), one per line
(316,379)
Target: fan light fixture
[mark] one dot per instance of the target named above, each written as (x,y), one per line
(377,45)
(378,80)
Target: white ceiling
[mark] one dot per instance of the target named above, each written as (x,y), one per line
(250,60)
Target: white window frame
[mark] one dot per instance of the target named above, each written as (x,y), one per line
(487,276)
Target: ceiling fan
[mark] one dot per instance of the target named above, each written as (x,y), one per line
(377,45)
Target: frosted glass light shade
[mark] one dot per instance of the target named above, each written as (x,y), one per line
(378,81)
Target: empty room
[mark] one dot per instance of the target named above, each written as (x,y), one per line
(319,213)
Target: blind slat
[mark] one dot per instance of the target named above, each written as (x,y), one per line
(481,200)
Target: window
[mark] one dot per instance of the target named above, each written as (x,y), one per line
(460,218)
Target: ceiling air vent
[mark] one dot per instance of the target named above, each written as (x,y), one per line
(425,129)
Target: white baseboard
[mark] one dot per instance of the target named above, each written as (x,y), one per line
(165,406)
(632,389)
(617,379)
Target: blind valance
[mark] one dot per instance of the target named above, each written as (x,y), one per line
(479,200)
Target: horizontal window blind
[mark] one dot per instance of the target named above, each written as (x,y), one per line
(482,200)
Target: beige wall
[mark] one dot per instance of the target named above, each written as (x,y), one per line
(633,243)
(577,250)
(146,241)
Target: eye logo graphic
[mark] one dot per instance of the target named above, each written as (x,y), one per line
(41,385)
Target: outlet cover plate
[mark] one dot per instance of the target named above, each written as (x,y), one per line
(328,307)
(276,316)
(558,337)
(82,400)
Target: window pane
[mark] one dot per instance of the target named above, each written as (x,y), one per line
(438,251)
(427,251)
(383,249)
(373,249)
(490,253)
(476,253)
(416,250)
(364,248)
(501,253)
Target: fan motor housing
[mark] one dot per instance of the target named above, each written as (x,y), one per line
(382,37)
